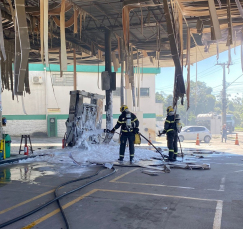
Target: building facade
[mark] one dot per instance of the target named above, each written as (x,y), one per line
(45,110)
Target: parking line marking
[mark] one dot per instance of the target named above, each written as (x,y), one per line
(26,201)
(58,210)
(238,171)
(158,185)
(117,178)
(217,218)
(218,215)
(154,194)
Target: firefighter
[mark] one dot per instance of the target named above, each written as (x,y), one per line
(129,127)
(172,135)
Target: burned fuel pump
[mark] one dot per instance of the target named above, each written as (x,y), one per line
(84,118)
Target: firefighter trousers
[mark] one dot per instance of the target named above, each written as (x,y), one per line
(124,138)
(172,139)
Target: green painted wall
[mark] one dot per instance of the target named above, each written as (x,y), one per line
(61,116)
(25,117)
(85,68)
(58,117)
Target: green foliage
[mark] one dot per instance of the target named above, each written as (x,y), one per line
(202,102)
(159,98)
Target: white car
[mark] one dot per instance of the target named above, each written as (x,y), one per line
(190,133)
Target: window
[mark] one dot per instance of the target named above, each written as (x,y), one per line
(117,92)
(144,92)
(197,129)
(65,80)
(190,129)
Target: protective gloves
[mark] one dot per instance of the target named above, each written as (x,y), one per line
(112,131)
(161,132)
(136,130)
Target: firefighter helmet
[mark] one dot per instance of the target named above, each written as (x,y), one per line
(123,108)
(169,109)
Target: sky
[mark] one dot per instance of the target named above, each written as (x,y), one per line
(208,72)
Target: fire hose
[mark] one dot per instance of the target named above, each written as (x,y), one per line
(59,197)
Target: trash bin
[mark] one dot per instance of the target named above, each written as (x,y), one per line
(7,139)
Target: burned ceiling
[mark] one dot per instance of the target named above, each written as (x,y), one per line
(147,26)
(152,33)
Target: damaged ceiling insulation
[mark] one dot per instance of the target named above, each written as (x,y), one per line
(147,27)
(153,31)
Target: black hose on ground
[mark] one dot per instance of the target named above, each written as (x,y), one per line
(59,197)
(162,155)
(64,184)
(182,154)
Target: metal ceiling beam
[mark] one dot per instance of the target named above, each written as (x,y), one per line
(126,2)
(132,26)
(114,19)
(162,13)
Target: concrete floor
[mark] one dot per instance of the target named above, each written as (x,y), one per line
(182,199)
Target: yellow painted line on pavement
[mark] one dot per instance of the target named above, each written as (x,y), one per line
(58,210)
(217,218)
(117,178)
(26,201)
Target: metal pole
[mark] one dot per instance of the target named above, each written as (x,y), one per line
(122,73)
(224,97)
(108,93)
(1,108)
(46,108)
(74,71)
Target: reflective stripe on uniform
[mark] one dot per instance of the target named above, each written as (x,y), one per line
(170,130)
(131,155)
(134,120)
(169,121)
(127,130)
(171,150)
(175,153)
(121,155)
(120,121)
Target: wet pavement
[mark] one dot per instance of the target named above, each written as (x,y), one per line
(181,199)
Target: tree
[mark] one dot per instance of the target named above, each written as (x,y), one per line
(201,102)
(159,98)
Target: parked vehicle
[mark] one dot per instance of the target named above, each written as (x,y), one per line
(190,133)
(230,123)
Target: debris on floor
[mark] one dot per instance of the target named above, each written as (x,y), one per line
(150,172)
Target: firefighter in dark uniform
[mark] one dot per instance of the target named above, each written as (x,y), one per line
(170,130)
(129,127)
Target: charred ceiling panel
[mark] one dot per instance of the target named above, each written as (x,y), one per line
(22,46)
